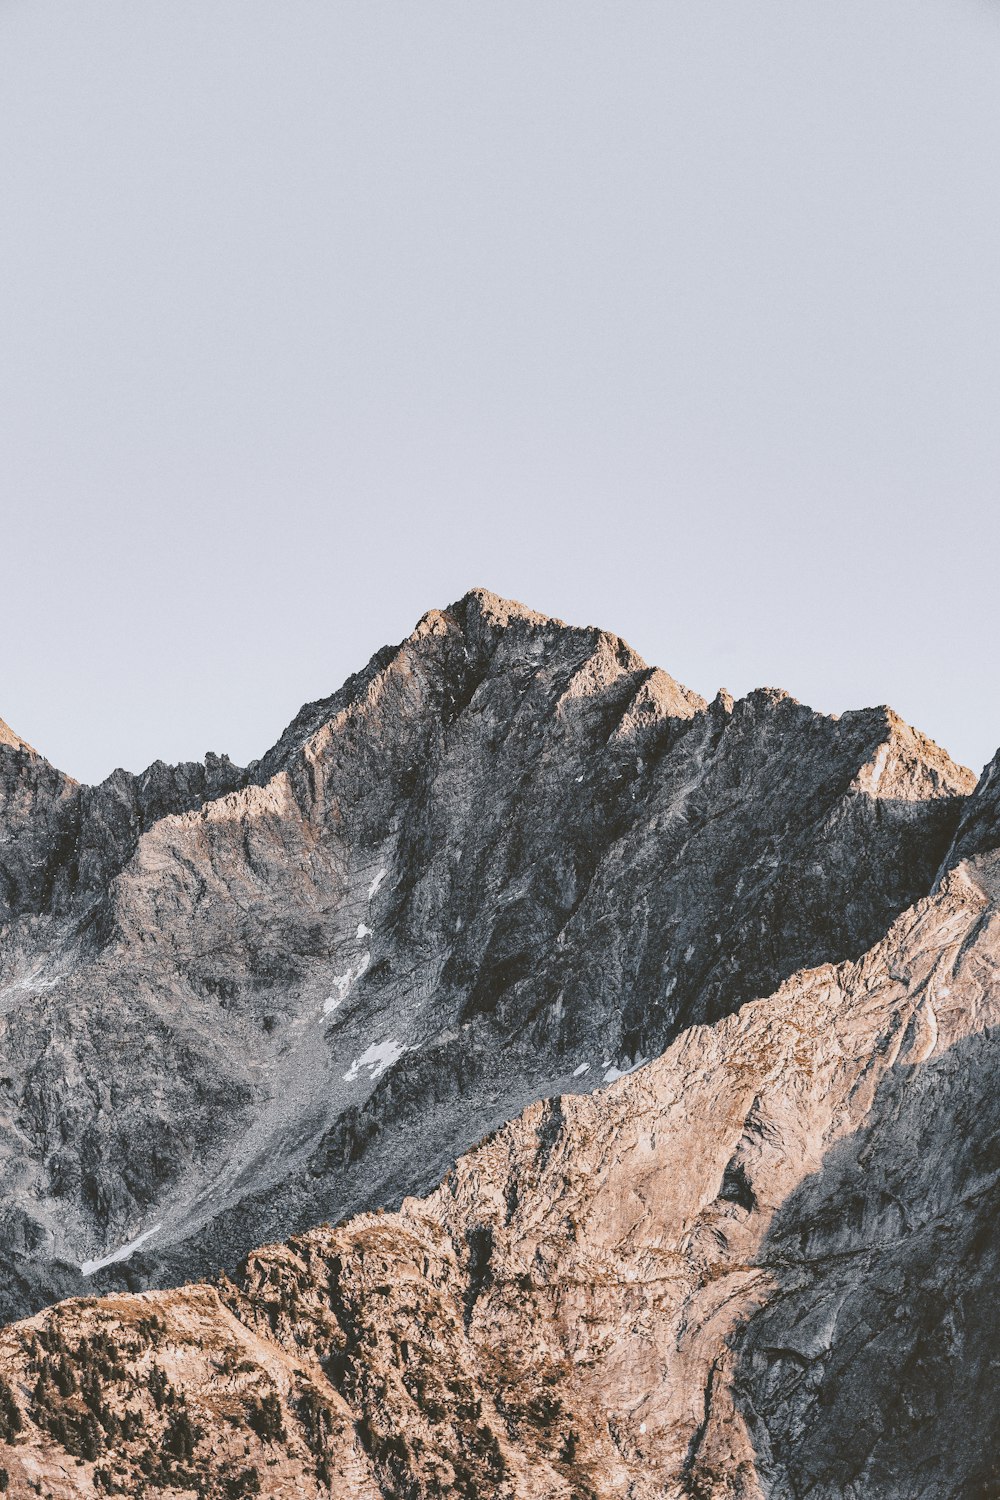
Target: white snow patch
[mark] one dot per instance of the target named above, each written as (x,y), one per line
(343,983)
(376,883)
(642,1427)
(583,1068)
(613,1073)
(579,778)
(877,769)
(88,1267)
(376,1058)
(362,931)
(689,953)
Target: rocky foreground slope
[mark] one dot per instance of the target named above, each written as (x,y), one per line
(506,860)
(765,1264)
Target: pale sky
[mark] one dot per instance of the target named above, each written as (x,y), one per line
(680,317)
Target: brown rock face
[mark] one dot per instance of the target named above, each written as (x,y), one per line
(506,860)
(11,741)
(762,1265)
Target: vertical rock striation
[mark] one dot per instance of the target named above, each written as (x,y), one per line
(761,1265)
(506,860)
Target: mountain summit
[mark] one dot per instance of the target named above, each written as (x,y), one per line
(507,859)
(715,981)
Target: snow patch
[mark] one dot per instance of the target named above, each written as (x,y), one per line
(613,1074)
(583,1068)
(362,932)
(376,883)
(877,769)
(343,984)
(88,1267)
(376,1058)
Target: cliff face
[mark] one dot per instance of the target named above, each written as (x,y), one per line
(63,844)
(979,823)
(506,860)
(762,1265)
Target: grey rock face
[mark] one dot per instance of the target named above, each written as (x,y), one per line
(507,859)
(762,1265)
(64,843)
(979,825)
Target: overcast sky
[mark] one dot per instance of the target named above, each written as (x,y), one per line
(680,317)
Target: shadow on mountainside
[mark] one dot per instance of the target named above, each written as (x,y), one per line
(547,984)
(871,1369)
(568,859)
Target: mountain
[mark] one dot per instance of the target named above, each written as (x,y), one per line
(763,1265)
(11,740)
(506,860)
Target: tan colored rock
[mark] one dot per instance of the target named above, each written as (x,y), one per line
(507,859)
(762,1265)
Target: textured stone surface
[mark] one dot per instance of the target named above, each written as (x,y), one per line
(762,1265)
(979,825)
(507,859)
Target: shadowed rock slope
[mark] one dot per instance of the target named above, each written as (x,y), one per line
(507,859)
(763,1265)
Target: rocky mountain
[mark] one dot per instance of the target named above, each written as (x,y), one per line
(762,1265)
(506,860)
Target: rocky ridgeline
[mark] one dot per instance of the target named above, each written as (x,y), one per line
(762,1265)
(507,859)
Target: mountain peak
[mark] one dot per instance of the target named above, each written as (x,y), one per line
(504,835)
(493,609)
(506,863)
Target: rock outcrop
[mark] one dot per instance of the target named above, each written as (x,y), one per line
(507,860)
(762,1265)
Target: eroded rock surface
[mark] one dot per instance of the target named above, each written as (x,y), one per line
(762,1265)
(506,860)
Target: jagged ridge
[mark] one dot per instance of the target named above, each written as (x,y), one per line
(507,858)
(761,1265)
